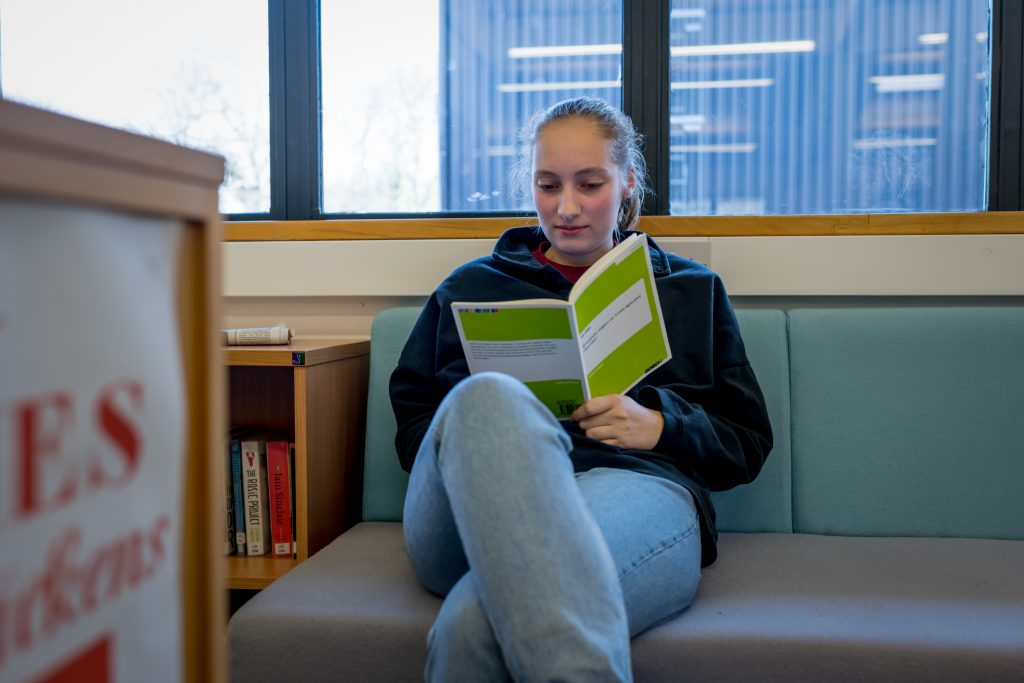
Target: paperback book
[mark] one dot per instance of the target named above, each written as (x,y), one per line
(604,339)
(229,503)
(254,473)
(279,475)
(238,493)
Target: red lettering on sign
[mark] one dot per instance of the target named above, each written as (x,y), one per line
(119,429)
(40,425)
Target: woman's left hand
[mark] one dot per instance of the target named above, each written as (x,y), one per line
(620,421)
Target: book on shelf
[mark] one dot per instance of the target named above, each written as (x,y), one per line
(238,491)
(229,502)
(291,484)
(279,475)
(604,339)
(254,473)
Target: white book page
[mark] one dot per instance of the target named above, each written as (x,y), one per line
(548,358)
(529,360)
(626,315)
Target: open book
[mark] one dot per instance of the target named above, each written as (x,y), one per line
(607,337)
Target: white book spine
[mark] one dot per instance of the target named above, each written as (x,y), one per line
(257,528)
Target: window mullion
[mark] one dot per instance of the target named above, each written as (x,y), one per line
(645,89)
(1006,162)
(278,146)
(295,111)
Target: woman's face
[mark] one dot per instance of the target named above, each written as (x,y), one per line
(577,190)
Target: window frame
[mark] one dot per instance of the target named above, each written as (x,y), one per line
(295,121)
(1006,115)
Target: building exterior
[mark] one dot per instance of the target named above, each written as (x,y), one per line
(789,107)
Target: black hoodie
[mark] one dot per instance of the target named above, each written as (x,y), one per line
(716,433)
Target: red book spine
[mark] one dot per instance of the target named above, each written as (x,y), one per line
(278,476)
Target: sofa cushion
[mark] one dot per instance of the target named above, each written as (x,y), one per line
(765,505)
(774,607)
(797,607)
(907,421)
(353,612)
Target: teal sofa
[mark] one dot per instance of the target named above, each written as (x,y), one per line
(884,540)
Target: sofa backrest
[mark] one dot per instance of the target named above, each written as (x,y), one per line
(765,505)
(908,421)
(901,422)
(384,480)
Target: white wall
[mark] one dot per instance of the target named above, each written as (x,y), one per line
(334,288)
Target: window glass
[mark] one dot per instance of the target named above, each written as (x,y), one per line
(191,71)
(422,99)
(379,89)
(816,106)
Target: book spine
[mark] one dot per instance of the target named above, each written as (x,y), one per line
(229,503)
(254,464)
(238,494)
(291,489)
(278,477)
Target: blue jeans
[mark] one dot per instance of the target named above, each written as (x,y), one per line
(546,574)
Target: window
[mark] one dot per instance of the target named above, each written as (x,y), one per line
(828,107)
(428,120)
(506,60)
(380,106)
(331,108)
(192,72)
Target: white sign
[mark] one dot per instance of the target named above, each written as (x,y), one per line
(92,428)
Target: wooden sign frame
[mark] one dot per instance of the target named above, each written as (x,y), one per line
(53,158)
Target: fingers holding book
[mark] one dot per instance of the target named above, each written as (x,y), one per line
(620,421)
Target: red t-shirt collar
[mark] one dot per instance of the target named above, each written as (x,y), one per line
(571,273)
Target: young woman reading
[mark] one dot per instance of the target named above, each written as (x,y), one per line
(553,543)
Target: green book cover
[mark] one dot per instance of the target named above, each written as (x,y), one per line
(604,339)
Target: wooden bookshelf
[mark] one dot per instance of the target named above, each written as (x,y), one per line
(316,390)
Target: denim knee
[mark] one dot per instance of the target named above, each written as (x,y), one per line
(492,408)
(486,390)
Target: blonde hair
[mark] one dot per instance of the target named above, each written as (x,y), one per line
(626,146)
